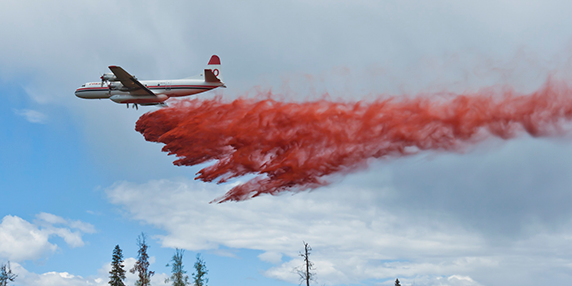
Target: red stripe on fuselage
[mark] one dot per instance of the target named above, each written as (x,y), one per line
(182,86)
(92,88)
(155,87)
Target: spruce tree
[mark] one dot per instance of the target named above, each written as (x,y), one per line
(397,282)
(142,264)
(117,273)
(201,271)
(6,274)
(178,276)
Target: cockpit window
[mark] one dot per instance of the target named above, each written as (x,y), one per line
(83,85)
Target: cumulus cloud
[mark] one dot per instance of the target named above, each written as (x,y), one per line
(50,218)
(374,225)
(483,220)
(53,278)
(272,257)
(455,280)
(350,243)
(71,232)
(21,240)
(32,116)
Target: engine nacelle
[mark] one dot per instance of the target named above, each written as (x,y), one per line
(109,77)
(115,85)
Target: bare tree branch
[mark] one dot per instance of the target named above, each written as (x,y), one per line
(305,272)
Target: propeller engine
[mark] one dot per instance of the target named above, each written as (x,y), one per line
(108,77)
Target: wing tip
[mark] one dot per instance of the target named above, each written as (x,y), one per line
(215,60)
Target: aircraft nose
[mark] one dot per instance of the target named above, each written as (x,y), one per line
(78,93)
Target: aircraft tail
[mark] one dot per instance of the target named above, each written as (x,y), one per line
(214,66)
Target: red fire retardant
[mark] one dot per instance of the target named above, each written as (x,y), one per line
(293,146)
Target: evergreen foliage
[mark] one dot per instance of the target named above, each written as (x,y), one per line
(178,276)
(6,274)
(201,271)
(117,273)
(142,264)
(397,282)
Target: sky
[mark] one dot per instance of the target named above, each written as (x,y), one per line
(76,179)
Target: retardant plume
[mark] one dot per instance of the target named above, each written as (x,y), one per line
(294,146)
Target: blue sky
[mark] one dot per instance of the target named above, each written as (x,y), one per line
(76,178)
(49,168)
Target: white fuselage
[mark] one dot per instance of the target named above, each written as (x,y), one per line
(163,90)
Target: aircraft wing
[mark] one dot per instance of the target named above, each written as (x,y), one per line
(135,87)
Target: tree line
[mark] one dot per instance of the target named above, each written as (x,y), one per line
(178,274)
(306,272)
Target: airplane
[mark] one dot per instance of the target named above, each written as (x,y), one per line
(121,87)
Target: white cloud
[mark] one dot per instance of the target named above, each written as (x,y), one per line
(52,278)
(52,219)
(354,231)
(32,116)
(453,280)
(59,278)
(27,278)
(406,48)
(21,240)
(272,257)
(461,281)
(350,237)
(393,59)
(72,238)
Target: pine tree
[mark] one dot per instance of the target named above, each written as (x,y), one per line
(117,273)
(142,264)
(201,271)
(6,274)
(397,282)
(178,276)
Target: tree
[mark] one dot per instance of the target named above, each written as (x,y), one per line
(178,276)
(201,271)
(397,282)
(6,274)
(305,272)
(117,273)
(142,264)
